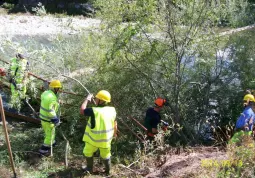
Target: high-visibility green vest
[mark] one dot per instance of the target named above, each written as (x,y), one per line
(49,106)
(18,69)
(101,136)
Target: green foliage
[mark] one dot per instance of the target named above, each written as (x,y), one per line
(39,10)
(7,5)
(146,49)
(11,1)
(238,13)
(239,162)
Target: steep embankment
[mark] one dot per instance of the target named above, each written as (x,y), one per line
(186,164)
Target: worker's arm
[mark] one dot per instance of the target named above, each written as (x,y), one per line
(115,129)
(85,103)
(53,106)
(83,106)
(250,123)
(154,130)
(88,111)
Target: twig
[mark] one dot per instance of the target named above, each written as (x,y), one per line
(80,84)
(121,165)
(133,163)
(51,141)
(67,148)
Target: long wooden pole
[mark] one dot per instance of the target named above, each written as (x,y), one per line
(142,140)
(138,123)
(7,137)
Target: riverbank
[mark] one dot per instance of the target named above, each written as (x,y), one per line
(44,25)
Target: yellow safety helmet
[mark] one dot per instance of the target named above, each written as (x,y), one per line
(55,84)
(249,97)
(104,95)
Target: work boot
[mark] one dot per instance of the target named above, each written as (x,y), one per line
(107,164)
(89,168)
(45,150)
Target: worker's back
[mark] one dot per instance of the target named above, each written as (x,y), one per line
(152,119)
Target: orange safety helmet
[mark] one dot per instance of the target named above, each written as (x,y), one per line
(160,102)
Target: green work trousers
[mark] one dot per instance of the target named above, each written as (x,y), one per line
(89,150)
(49,133)
(18,94)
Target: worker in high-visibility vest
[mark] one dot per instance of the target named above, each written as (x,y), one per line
(18,78)
(48,115)
(100,129)
(153,118)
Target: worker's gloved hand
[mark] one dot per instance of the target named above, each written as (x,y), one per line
(89,97)
(19,86)
(165,123)
(55,120)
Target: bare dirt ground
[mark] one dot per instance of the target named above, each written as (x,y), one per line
(187,164)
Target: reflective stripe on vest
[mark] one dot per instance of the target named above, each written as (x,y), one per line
(101,131)
(101,136)
(47,110)
(98,141)
(49,106)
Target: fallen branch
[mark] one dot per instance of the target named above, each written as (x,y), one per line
(67,148)
(80,84)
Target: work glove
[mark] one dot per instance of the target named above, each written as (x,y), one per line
(165,126)
(165,123)
(89,97)
(55,121)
